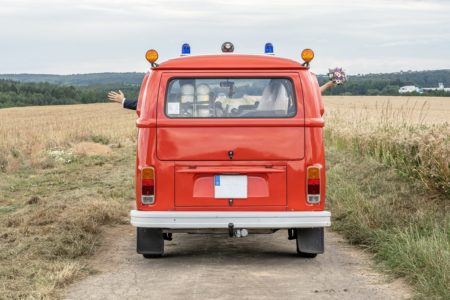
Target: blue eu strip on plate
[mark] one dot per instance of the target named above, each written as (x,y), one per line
(217,180)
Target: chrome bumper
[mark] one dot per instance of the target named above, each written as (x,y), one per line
(221,219)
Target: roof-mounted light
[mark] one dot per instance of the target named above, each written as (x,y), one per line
(268,49)
(307,56)
(227,47)
(185,49)
(152,56)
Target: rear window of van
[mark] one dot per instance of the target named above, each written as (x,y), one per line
(230,98)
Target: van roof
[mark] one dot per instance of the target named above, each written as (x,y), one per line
(230,61)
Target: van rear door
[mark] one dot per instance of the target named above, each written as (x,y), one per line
(213,125)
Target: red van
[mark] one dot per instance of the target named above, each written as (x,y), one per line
(230,144)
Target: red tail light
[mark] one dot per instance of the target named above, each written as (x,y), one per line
(148,186)
(313,184)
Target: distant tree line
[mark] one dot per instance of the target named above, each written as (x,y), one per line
(419,78)
(125,78)
(47,89)
(14,93)
(389,83)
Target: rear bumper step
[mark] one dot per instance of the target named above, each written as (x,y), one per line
(221,219)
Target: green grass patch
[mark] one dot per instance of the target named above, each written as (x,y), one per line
(404,225)
(101,139)
(7,209)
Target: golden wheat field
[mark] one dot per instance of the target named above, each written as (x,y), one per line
(411,110)
(28,133)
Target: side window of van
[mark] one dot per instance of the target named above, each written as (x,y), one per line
(230,98)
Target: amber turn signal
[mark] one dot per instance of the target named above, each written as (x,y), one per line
(148,173)
(307,55)
(151,56)
(313,172)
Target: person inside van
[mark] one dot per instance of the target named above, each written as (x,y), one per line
(274,97)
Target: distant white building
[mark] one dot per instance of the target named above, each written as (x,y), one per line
(413,88)
(439,88)
(409,89)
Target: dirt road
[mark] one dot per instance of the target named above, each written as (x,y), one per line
(217,267)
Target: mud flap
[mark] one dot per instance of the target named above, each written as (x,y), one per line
(150,241)
(310,240)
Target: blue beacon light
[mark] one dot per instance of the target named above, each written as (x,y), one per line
(268,49)
(185,49)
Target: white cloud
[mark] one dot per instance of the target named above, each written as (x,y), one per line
(104,35)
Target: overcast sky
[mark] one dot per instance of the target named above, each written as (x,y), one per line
(63,37)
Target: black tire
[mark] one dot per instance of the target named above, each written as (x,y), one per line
(150,256)
(305,255)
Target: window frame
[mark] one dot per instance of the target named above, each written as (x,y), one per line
(168,84)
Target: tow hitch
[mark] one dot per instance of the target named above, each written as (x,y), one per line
(236,232)
(292,234)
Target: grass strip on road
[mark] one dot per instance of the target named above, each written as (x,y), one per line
(399,221)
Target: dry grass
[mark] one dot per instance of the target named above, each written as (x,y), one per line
(66,172)
(27,133)
(410,110)
(406,230)
(409,134)
(91,149)
(404,220)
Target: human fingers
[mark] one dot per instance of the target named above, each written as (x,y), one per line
(114,98)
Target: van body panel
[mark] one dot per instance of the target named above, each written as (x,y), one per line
(214,127)
(194,186)
(176,147)
(234,62)
(250,143)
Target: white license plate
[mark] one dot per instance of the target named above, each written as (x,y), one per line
(230,186)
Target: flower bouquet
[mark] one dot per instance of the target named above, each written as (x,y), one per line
(337,75)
